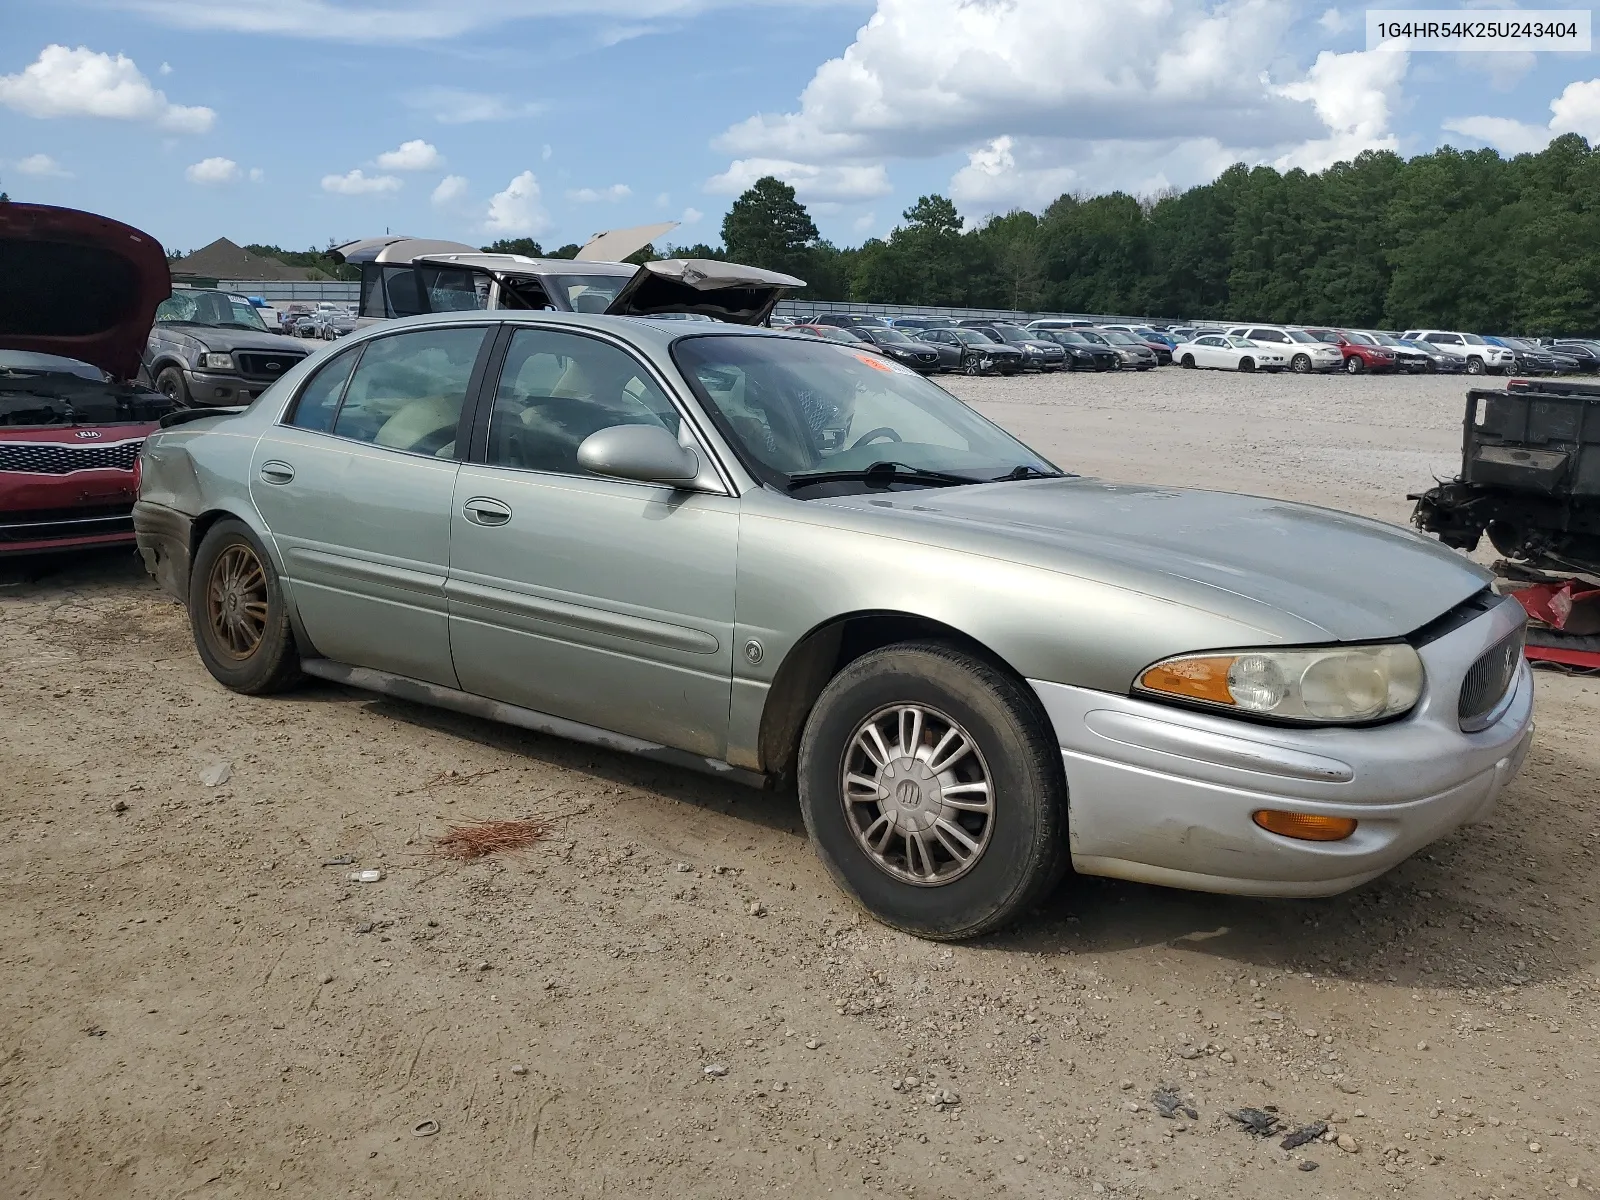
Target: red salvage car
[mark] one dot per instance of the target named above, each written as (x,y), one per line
(78,295)
(1361,351)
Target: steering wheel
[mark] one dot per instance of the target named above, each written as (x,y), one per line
(872,435)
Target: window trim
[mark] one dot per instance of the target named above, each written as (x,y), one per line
(468,402)
(477,440)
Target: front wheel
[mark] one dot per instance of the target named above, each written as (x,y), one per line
(933,791)
(1247,363)
(170,382)
(1353,365)
(238,613)
(1188,362)
(1301,364)
(1475,366)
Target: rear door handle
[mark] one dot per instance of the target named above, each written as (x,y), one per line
(276,471)
(481,510)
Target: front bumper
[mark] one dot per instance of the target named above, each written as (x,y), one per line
(223,388)
(1164,795)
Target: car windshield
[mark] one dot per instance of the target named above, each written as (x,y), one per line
(972,337)
(1473,339)
(44,390)
(1360,339)
(1089,335)
(889,335)
(1301,336)
(1120,339)
(1240,343)
(216,309)
(1011,334)
(1413,344)
(1068,335)
(1384,339)
(798,410)
(839,334)
(586,293)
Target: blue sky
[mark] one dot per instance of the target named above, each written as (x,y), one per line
(300,121)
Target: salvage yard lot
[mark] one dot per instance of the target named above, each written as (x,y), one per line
(193,1004)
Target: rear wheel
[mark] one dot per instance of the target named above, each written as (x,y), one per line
(1300,364)
(237,610)
(170,382)
(933,791)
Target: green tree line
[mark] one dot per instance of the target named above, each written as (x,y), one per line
(1451,239)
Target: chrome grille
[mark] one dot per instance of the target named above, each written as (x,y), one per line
(265,365)
(53,458)
(1488,680)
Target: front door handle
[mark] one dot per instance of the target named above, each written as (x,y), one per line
(481,510)
(276,471)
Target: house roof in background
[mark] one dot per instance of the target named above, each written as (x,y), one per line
(223,259)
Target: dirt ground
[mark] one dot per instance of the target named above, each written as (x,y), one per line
(194,1002)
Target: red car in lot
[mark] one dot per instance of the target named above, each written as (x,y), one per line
(78,295)
(1362,352)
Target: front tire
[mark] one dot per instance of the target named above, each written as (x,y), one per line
(170,383)
(238,613)
(1475,366)
(1353,365)
(1247,364)
(1300,364)
(933,791)
(1188,362)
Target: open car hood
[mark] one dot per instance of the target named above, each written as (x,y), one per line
(78,285)
(728,291)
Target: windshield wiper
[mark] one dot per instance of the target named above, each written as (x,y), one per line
(882,473)
(1024,471)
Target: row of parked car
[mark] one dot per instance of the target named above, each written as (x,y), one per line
(986,346)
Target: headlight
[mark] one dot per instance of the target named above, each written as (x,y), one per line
(1327,684)
(217,362)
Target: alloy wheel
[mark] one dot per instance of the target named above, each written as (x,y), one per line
(918,796)
(236,602)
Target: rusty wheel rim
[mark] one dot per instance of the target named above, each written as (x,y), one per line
(236,602)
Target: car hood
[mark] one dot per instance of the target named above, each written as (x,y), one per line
(727,291)
(78,285)
(1300,573)
(224,340)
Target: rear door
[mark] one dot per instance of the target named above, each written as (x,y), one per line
(604,601)
(356,485)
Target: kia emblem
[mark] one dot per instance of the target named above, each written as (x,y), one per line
(88,434)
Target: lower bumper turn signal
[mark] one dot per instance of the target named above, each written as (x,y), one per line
(1307,827)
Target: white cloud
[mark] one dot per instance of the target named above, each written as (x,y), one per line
(663,199)
(411,21)
(690,216)
(545,152)
(1576,110)
(455,106)
(517,210)
(1334,21)
(164,69)
(452,190)
(358,183)
(1352,94)
(608,195)
(416,155)
(257,174)
(212,171)
(41,165)
(1042,96)
(864,223)
(85,83)
(811,181)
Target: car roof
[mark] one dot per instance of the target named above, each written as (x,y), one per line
(642,330)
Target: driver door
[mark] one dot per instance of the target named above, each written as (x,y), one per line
(604,601)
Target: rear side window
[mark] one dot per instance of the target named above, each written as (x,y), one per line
(319,399)
(408,391)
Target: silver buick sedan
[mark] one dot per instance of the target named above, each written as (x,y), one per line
(779,559)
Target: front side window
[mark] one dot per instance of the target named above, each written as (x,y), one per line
(408,390)
(1443,339)
(558,388)
(797,409)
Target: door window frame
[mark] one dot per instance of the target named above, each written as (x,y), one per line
(468,402)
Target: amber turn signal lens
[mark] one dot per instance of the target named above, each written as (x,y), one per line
(1307,827)
(1192,678)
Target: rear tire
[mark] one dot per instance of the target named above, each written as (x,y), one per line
(981,868)
(238,613)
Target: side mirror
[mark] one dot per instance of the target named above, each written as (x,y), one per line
(647,453)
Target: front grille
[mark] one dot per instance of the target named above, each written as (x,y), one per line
(53,458)
(927,356)
(263,365)
(1488,680)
